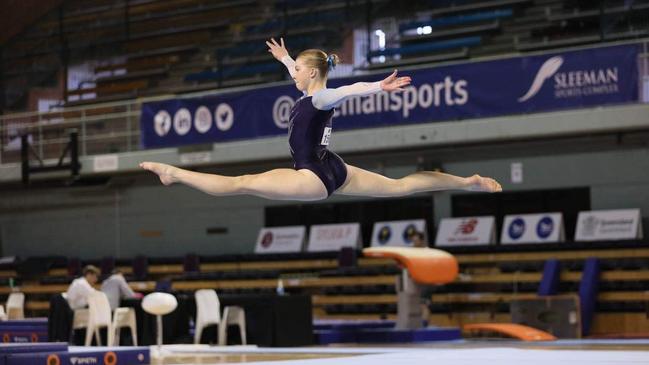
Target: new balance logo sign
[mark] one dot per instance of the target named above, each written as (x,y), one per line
(549,68)
(466,226)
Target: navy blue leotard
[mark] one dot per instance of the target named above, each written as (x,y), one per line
(308,136)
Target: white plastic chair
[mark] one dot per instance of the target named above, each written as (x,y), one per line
(80,318)
(232,314)
(3,315)
(16,306)
(99,316)
(124,317)
(208,311)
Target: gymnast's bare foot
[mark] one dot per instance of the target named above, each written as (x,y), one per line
(486,184)
(165,172)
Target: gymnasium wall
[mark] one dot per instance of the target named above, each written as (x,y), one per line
(133,214)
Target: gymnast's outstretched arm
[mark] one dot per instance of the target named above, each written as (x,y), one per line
(327,99)
(289,63)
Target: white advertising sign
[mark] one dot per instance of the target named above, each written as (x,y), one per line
(618,224)
(397,233)
(517,172)
(533,228)
(280,239)
(466,231)
(195,157)
(333,237)
(104,163)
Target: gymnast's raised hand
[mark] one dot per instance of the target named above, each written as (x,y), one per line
(318,172)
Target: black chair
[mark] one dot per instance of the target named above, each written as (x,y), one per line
(107,266)
(140,267)
(74,266)
(163,286)
(191,263)
(347,257)
(59,320)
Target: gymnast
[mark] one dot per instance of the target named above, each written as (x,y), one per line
(317,172)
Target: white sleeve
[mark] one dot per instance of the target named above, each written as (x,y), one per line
(289,63)
(86,290)
(78,293)
(327,99)
(125,290)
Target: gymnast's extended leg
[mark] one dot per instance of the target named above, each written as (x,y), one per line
(278,184)
(366,183)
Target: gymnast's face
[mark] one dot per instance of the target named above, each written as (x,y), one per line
(303,75)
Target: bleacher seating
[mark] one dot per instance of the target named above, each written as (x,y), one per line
(150,47)
(428,47)
(582,22)
(463,26)
(159,47)
(490,278)
(150,35)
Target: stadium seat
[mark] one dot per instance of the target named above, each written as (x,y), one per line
(16,306)
(99,316)
(123,317)
(232,315)
(208,311)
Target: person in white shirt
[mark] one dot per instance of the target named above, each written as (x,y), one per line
(81,288)
(117,288)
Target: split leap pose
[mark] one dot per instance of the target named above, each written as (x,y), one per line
(317,172)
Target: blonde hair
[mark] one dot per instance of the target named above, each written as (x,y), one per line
(319,60)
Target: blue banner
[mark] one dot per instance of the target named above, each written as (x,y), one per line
(105,356)
(576,79)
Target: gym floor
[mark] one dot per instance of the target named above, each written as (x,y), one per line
(501,352)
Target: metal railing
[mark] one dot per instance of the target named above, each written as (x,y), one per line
(113,127)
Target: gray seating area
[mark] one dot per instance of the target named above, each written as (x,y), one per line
(586,22)
(367,289)
(149,47)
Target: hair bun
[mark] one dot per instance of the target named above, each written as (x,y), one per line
(332,61)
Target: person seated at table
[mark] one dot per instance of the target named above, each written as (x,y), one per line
(81,288)
(116,288)
(418,239)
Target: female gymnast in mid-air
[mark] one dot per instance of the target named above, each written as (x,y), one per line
(317,172)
